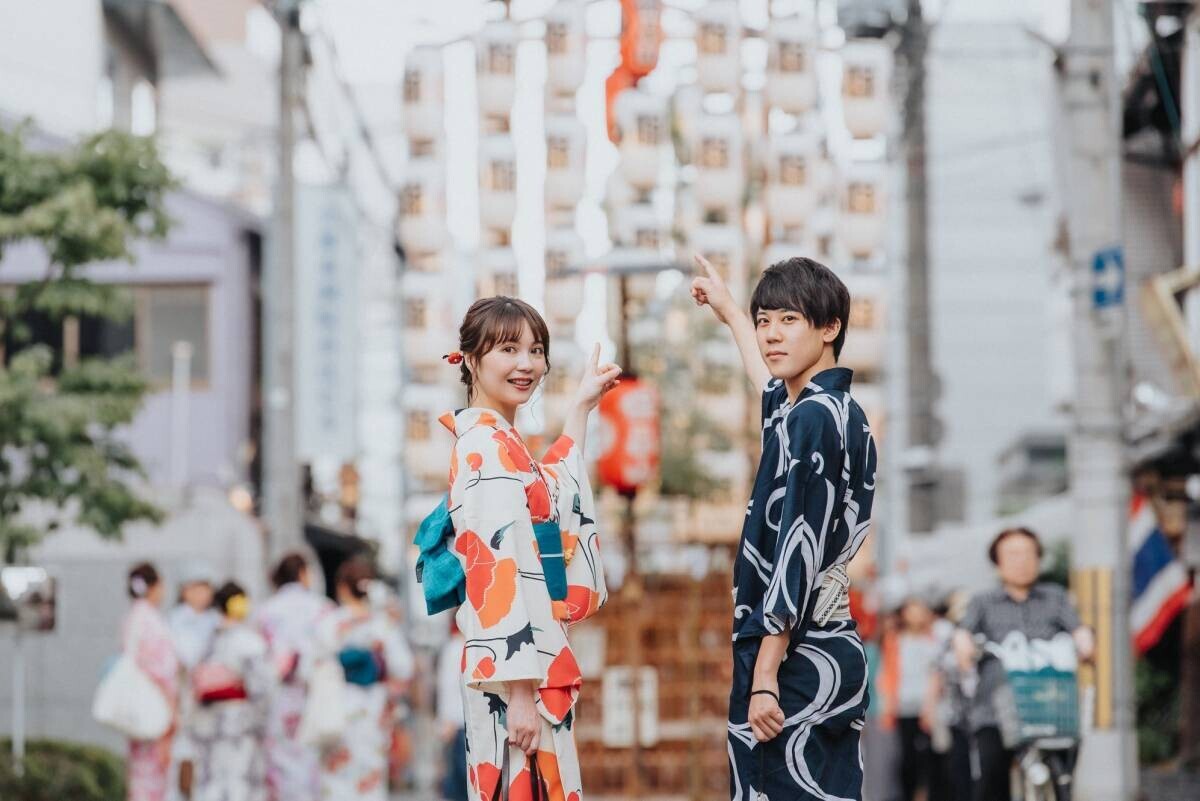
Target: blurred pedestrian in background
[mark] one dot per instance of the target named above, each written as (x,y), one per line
(288,623)
(951,733)
(231,685)
(918,650)
(146,636)
(451,721)
(373,656)
(193,622)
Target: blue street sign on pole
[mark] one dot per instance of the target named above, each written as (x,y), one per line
(1108,278)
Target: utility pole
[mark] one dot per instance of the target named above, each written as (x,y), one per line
(281,473)
(921,383)
(1097,460)
(1190,107)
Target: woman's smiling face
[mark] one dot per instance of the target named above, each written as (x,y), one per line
(507,375)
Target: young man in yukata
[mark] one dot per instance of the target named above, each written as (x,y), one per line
(799,672)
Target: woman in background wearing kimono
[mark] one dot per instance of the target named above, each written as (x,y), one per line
(374,659)
(231,685)
(287,621)
(145,635)
(525,582)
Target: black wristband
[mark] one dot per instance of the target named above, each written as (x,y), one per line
(765,692)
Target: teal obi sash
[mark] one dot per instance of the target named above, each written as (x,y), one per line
(439,572)
(554,566)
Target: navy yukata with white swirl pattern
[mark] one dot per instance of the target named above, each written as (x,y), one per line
(809,511)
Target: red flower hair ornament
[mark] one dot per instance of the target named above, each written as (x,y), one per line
(454,357)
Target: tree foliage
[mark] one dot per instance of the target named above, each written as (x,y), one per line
(58,430)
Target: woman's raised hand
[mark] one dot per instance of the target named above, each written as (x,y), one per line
(597,379)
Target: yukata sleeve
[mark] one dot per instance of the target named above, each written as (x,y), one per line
(774,395)
(489,507)
(805,525)
(587,592)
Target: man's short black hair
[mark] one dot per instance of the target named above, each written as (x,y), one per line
(808,287)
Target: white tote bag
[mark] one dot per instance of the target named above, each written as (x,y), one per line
(324,719)
(129,701)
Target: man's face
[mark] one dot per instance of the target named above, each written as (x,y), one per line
(1017,561)
(789,343)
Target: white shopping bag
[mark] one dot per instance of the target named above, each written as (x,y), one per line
(129,701)
(324,718)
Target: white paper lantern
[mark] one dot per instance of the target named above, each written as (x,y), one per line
(638,226)
(564,298)
(565,155)
(866,73)
(424,94)
(642,288)
(497,182)
(496,67)
(791,65)
(724,247)
(564,249)
(426,336)
(645,133)
(796,176)
(566,46)
(864,349)
(718,46)
(863,205)
(498,272)
(717,156)
(423,207)
(426,458)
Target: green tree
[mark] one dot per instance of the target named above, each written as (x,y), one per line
(58,443)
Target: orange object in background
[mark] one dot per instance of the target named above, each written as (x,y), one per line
(630,449)
(641,37)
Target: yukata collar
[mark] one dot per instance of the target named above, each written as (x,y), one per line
(834,379)
(462,420)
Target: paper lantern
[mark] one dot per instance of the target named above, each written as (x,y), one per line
(718,46)
(642,288)
(863,204)
(423,206)
(638,226)
(566,367)
(645,133)
(496,67)
(795,177)
(566,46)
(497,182)
(426,336)
(565,157)
(498,272)
(564,249)
(865,336)
(426,459)
(866,73)
(724,247)
(717,156)
(629,436)
(641,36)
(564,298)
(791,65)
(424,94)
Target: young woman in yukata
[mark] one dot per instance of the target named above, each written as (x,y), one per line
(521,678)
(231,684)
(145,635)
(366,642)
(287,621)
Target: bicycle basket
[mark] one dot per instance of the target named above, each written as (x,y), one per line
(1047,703)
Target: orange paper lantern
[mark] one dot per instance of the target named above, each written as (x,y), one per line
(630,451)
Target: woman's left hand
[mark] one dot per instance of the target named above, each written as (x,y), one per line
(597,379)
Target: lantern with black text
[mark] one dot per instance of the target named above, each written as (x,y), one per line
(566,46)
(717,156)
(497,182)
(498,272)
(791,65)
(718,46)
(424,102)
(866,72)
(645,133)
(795,177)
(496,67)
(638,226)
(565,153)
(423,206)
(861,214)
(630,436)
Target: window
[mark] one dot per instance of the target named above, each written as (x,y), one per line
(418,426)
(33,328)
(859,82)
(166,315)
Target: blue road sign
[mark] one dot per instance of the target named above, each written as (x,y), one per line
(1108,278)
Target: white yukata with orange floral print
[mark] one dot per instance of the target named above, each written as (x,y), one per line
(513,631)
